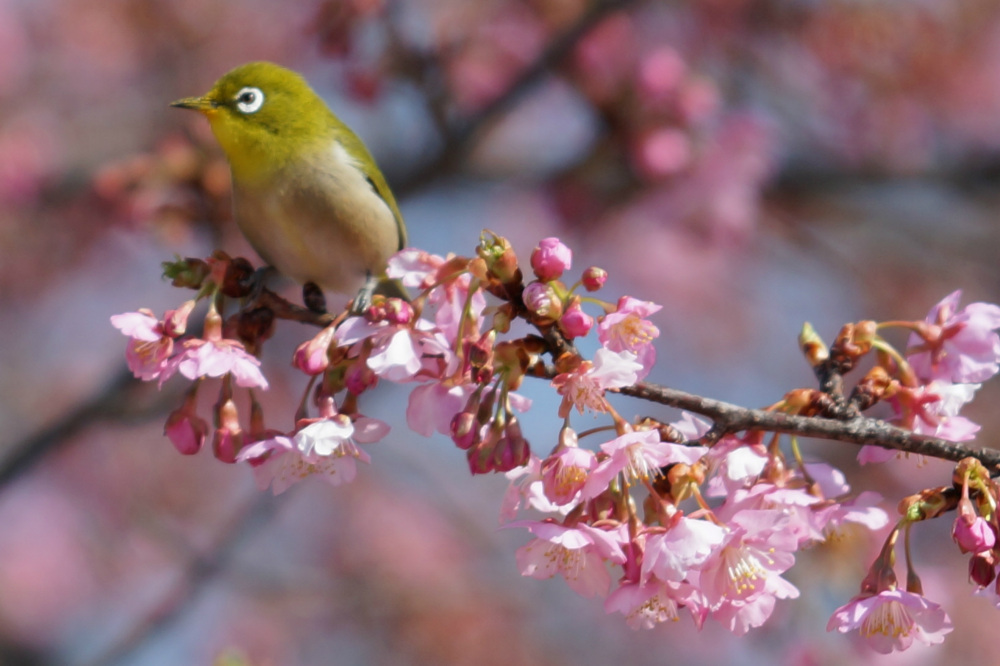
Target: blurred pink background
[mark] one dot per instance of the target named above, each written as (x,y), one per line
(750,165)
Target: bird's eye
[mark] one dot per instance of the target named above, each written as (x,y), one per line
(249,100)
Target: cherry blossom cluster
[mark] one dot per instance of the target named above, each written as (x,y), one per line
(660,519)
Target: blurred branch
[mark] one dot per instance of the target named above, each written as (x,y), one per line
(459,139)
(197,572)
(796,179)
(123,398)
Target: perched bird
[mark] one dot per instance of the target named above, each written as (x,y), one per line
(306,192)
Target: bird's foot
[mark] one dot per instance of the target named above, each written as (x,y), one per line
(364,297)
(253,285)
(313,298)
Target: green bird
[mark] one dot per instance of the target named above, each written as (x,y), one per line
(307,194)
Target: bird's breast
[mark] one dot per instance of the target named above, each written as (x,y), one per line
(318,220)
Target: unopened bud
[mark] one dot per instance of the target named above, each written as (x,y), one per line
(872,388)
(501,261)
(550,259)
(542,300)
(464,430)
(594,278)
(813,347)
(313,356)
(190,273)
(574,322)
(185,429)
(228,439)
(983,568)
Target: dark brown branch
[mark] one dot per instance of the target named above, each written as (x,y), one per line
(730,418)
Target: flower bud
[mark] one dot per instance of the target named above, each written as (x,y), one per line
(512,450)
(359,378)
(185,429)
(575,323)
(228,439)
(567,469)
(594,278)
(550,259)
(971,532)
(312,356)
(501,262)
(812,346)
(480,458)
(398,311)
(542,300)
(190,273)
(982,568)
(175,321)
(464,430)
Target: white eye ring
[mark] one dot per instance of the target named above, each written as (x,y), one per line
(249,99)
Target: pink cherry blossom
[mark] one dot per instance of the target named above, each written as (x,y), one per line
(149,350)
(796,504)
(627,329)
(565,472)
(756,548)
(413,267)
(645,605)
(735,463)
(933,410)
(214,358)
(141,325)
(639,456)
(448,302)
(550,259)
(397,352)
(326,447)
(742,615)
(670,555)
(432,406)
(892,620)
(526,487)
(584,387)
(862,510)
(957,345)
(973,536)
(578,553)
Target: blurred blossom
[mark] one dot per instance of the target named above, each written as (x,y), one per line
(47,575)
(29,145)
(660,73)
(662,152)
(14,49)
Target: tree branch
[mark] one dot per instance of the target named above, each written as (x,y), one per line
(730,418)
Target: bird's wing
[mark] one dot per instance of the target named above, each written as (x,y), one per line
(355,146)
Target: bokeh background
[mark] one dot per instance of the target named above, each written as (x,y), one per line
(750,164)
